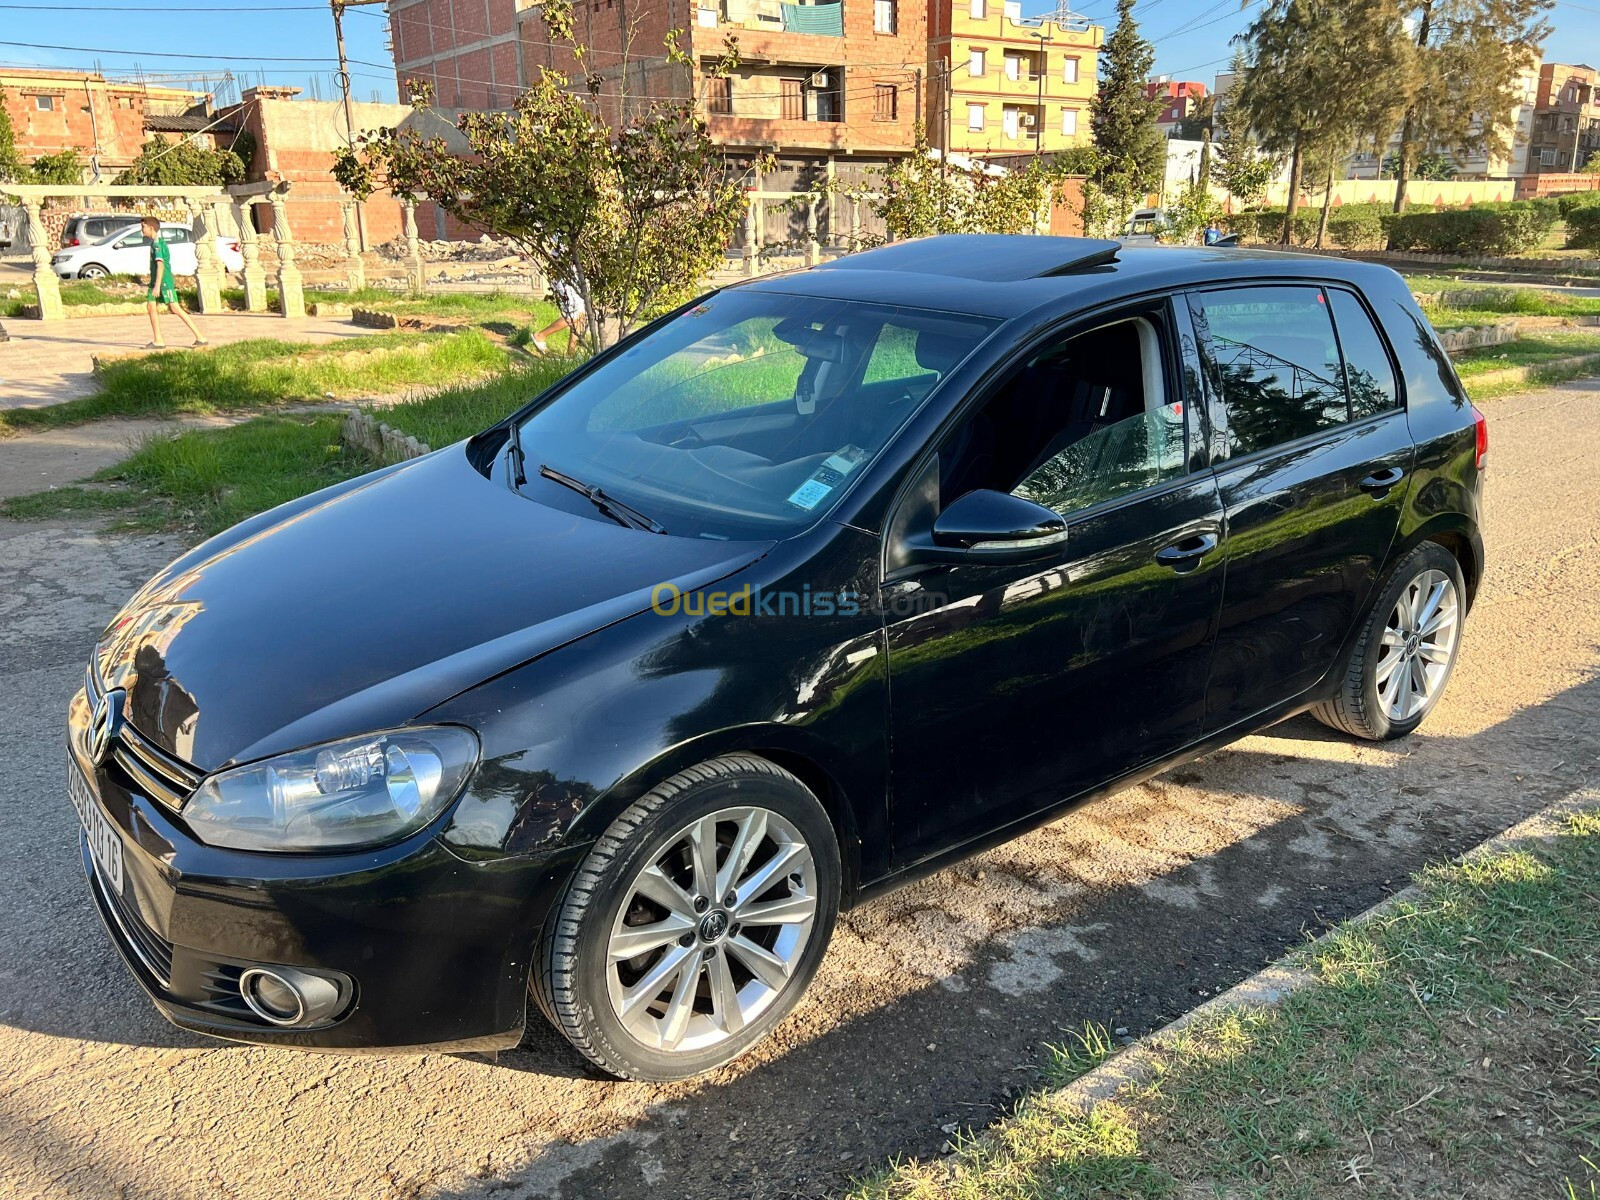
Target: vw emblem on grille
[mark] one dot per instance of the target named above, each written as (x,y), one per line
(103,725)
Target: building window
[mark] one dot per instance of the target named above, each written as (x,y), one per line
(45,103)
(1069,122)
(1547,158)
(1010,122)
(975,118)
(1013,66)
(794,104)
(976,66)
(979,9)
(883,16)
(719,95)
(885,102)
(1069,70)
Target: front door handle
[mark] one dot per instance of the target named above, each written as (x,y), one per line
(1188,552)
(1379,482)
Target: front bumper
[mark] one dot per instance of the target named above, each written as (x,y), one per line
(438,948)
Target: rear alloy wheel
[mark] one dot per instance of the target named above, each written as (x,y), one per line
(93,271)
(696,922)
(1407,650)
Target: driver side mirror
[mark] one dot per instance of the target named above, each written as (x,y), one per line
(991,527)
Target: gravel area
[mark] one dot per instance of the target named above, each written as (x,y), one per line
(933,1003)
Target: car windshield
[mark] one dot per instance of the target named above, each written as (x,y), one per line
(748,415)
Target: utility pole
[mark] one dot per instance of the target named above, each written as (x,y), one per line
(338,7)
(1043,39)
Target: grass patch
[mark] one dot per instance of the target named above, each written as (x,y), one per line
(208,480)
(1448,1047)
(456,413)
(265,372)
(1532,350)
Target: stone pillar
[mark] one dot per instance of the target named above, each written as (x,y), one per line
(355,265)
(255,276)
(414,267)
(208,270)
(750,258)
(291,293)
(855,223)
(46,288)
(812,249)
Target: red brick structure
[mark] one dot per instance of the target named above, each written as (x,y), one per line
(469,50)
(1566,119)
(1179,99)
(103,120)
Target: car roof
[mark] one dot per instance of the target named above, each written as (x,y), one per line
(1006,275)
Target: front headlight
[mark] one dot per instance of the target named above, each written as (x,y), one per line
(359,792)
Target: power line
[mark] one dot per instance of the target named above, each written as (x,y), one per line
(135,8)
(173,54)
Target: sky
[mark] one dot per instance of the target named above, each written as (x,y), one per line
(292,43)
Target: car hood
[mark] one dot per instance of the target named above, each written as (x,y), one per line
(362,607)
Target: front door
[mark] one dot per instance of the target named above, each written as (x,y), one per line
(1015,688)
(1315,461)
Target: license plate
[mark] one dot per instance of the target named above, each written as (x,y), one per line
(104,844)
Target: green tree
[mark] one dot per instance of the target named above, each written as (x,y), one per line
(1430,164)
(64,167)
(1459,74)
(919,195)
(1237,163)
(182,163)
(1132,153)
(10,164)
(630,213)
(1300,91)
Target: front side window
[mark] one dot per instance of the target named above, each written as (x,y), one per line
(1368,371)
(750,414)
(1274,361)
(1084,420)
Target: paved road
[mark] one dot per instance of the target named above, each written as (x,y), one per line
(932,1004)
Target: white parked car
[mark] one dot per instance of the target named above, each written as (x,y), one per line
(127,252)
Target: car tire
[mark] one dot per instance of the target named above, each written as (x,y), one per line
(737,974)
(1408,647)
(93,271)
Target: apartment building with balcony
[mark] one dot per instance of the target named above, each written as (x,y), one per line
(1180,100)
(1566,119)
(1003,85)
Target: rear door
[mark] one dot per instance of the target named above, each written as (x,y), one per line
(1312,461)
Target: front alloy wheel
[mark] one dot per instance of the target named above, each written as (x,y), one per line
(695,923)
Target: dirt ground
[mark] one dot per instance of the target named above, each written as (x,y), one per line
(933,1003)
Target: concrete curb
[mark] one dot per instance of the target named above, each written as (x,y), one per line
(1588,362)
(1269,987)
(380,439)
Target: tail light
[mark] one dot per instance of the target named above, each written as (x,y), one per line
(233,246)
(71,242)
(1481,427)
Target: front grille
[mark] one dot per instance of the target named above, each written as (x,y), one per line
(151,770)
(136,938)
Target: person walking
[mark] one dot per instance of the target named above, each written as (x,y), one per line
(163,290)
(573,315)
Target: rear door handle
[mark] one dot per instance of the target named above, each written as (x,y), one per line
(1186,553)
(1379,482)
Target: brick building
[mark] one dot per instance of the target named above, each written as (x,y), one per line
(1180,98)
(1566,119)
(104,120)
(1005,85)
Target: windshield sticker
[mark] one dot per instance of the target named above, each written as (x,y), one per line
(810,494)
(828,476)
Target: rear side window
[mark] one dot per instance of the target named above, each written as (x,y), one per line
(1368,370)
(1274,361)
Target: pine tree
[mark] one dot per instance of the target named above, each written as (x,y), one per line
(1460,72)
(1132,152)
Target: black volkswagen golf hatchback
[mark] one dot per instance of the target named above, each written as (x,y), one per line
(808,588)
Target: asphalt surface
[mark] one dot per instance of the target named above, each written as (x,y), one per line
(933,1004)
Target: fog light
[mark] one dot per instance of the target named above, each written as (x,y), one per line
(284,996)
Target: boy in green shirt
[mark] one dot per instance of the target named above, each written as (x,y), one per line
(162,287)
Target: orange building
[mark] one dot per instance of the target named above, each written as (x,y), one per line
(104,120)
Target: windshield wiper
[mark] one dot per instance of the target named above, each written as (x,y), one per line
(519,460)
(610,505)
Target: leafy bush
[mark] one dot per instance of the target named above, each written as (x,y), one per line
(1484,229)
(1570,202)
(1356,230)
(1583,228)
